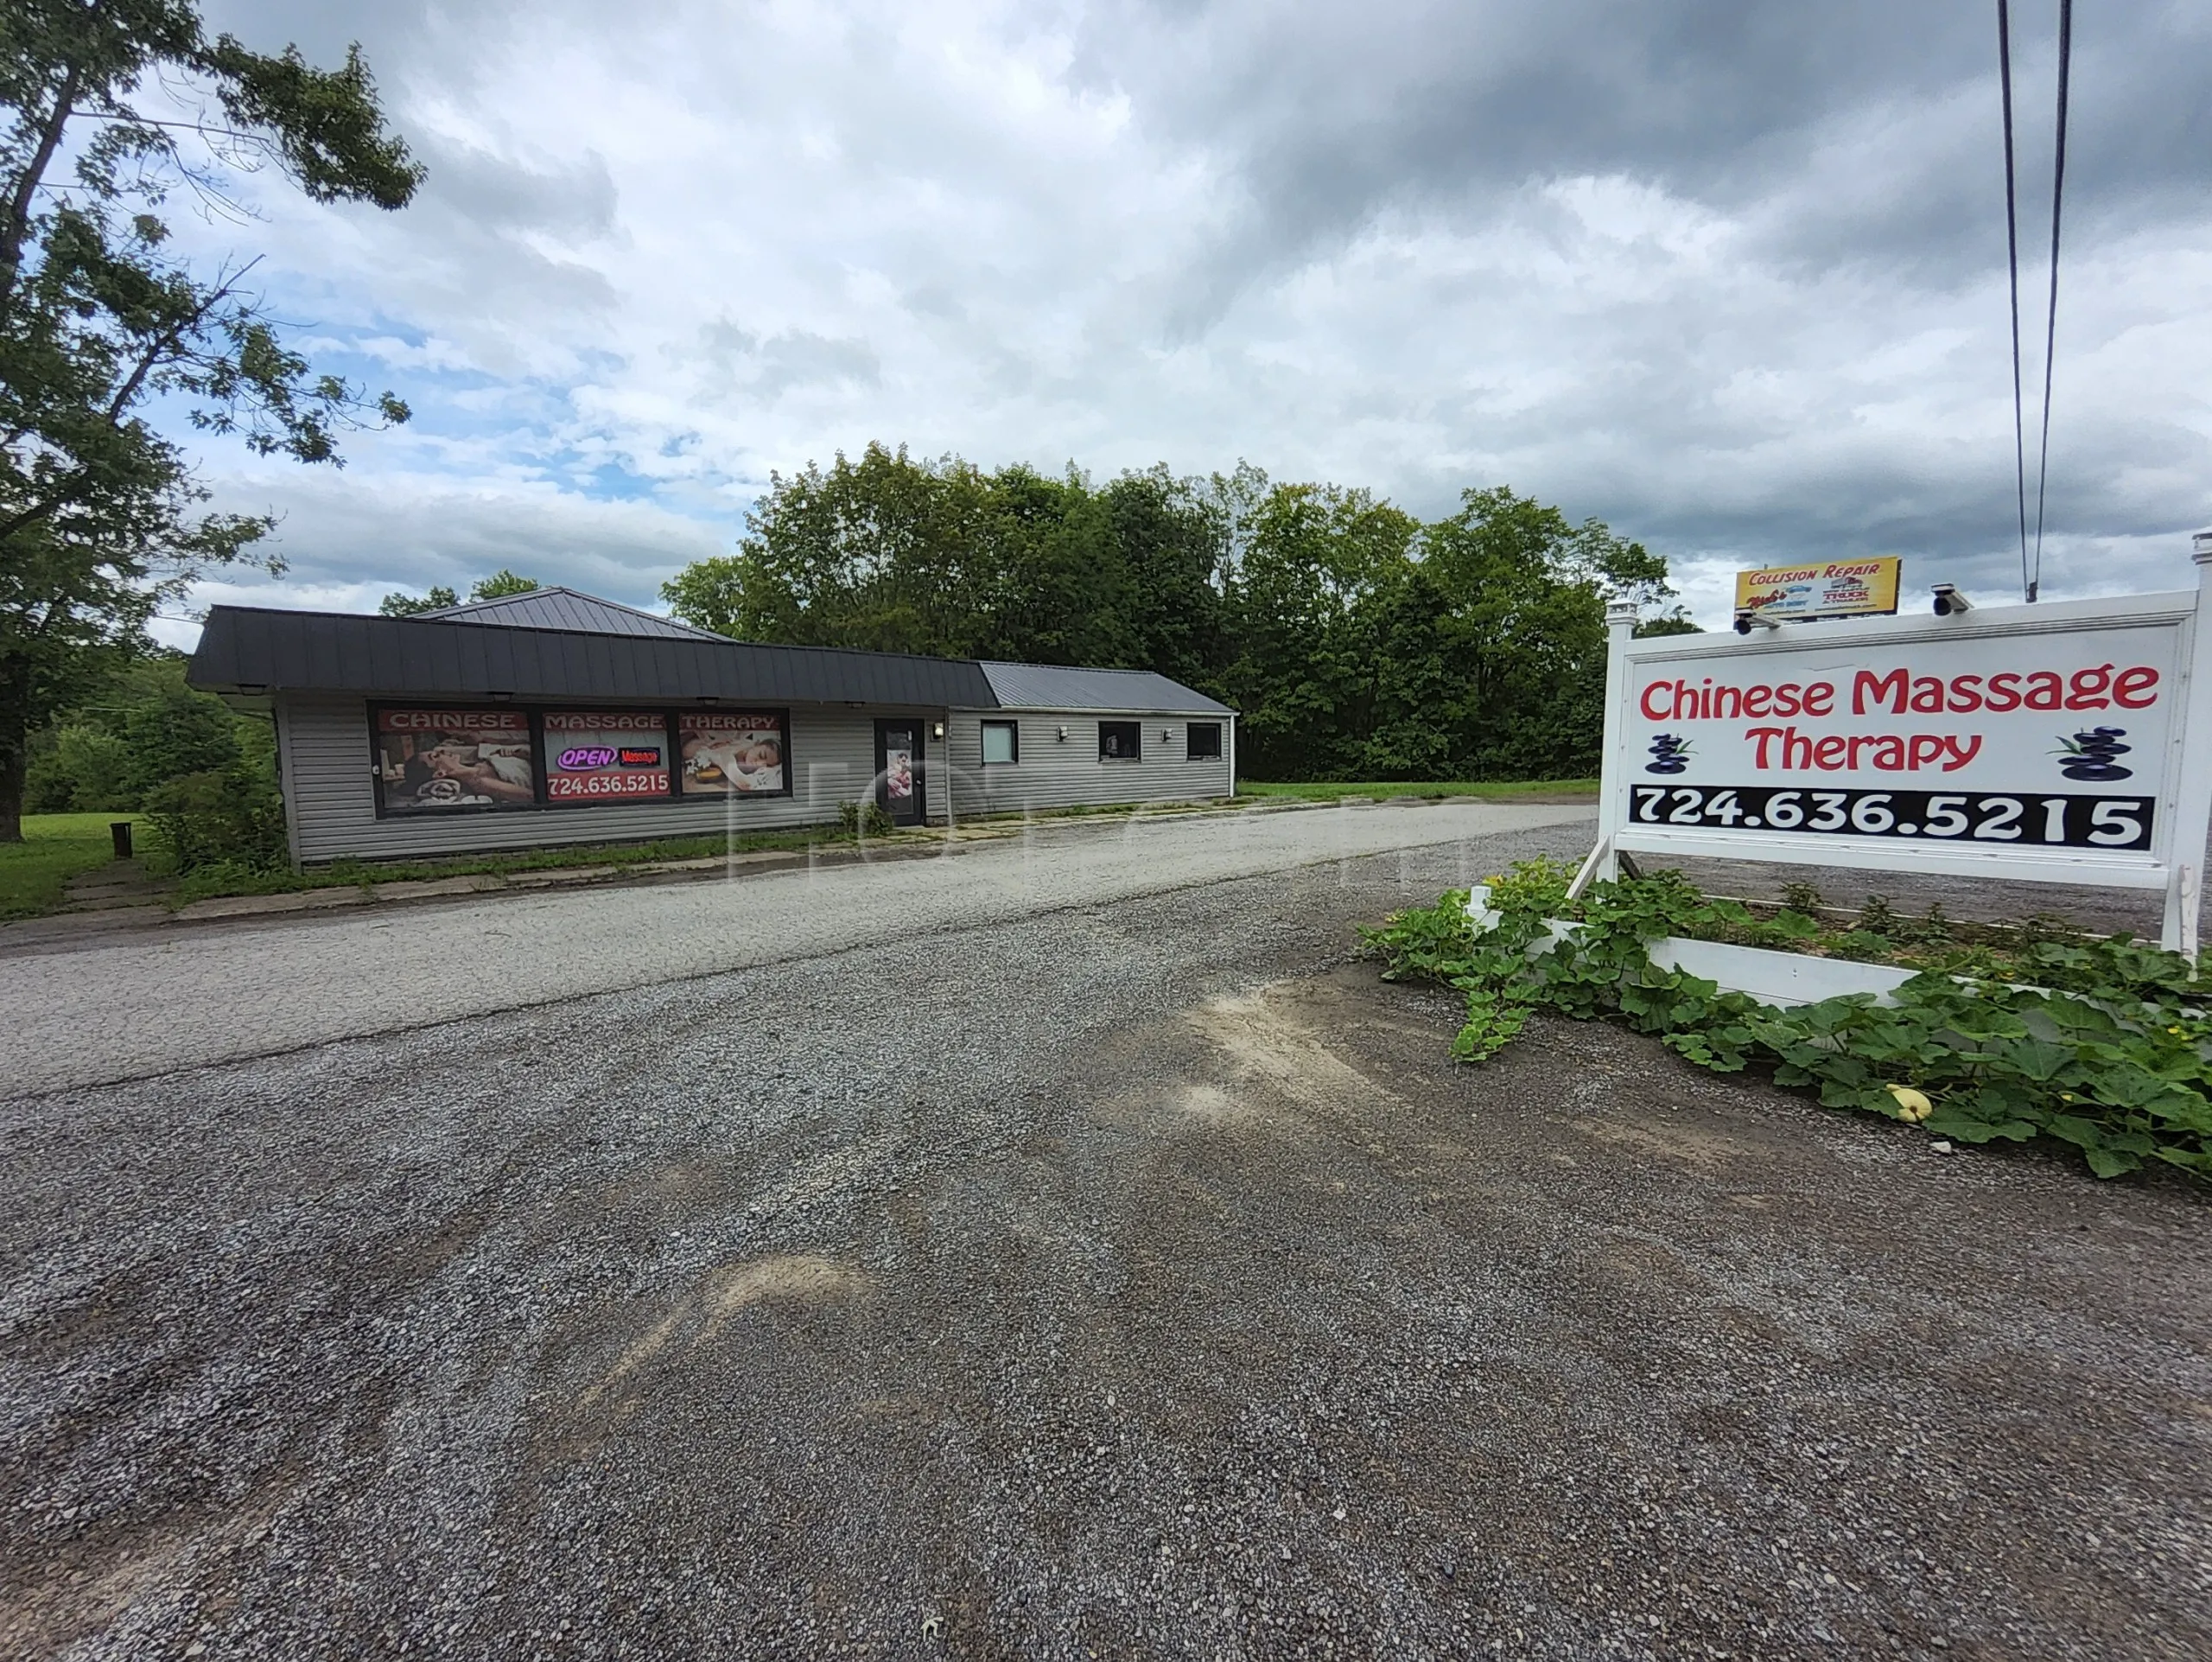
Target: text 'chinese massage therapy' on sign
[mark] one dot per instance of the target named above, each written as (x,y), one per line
(2053,740)
(2041,742)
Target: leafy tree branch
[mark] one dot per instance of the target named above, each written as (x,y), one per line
(100,512)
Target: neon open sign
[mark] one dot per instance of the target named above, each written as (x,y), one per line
(582,758)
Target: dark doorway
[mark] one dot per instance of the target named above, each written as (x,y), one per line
(899,770)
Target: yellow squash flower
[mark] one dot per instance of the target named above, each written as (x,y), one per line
(1911,1106)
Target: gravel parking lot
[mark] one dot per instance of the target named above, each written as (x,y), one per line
(1131,1275)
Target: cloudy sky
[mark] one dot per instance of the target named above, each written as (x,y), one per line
(1728,275)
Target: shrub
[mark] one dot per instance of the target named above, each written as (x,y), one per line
(234,818)
(2108,1050)
(83,769)
(864,819)
(175,734)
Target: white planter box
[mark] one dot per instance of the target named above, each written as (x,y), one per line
(1771,978)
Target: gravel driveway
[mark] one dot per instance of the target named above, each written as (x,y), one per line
(1137,1277)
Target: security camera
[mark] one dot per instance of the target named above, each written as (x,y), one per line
(1949,602)
(1747,620)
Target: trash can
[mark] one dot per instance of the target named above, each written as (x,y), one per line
(120,830)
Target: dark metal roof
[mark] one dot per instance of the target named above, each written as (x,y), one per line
(245,648)
(1048,686)
(569,608)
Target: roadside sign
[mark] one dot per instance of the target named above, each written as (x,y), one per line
(1863,588)
(2043,743)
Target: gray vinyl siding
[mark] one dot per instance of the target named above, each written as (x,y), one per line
(1053,773)
(324,747)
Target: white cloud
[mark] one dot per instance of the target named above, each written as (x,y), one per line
(1741,293)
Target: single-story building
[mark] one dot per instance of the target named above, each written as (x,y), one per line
(555,716)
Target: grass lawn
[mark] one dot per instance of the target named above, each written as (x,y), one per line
(1329,790)
(211,881)
(55,849)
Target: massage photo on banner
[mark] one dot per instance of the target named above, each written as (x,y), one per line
(604,755)
(733,754)
(439,760)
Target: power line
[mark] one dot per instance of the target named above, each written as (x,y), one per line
(2050,329)
(2012,264)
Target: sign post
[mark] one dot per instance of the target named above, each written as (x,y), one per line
(2048,744)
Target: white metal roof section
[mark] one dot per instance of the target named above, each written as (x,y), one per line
(569,608)
(1045,686)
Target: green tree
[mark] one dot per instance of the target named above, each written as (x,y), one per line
(141,727)
(1526,591)
(399,603)
(1054,571)
(1312,561)
(1356,641)
(1172,538)
(709,593)
(177,731)
(498,586)
(100,512)
(500,583)
(886,553)
(81,770)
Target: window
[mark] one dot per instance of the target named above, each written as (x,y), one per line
(1001,741)
(726,752)
(594,756)
(431,761)
(1202,742)
(1121,741)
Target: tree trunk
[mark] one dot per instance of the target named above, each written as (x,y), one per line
(15,759)
(15,743)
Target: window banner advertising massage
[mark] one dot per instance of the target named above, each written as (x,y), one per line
(605,755)
(731,753)
(445,760)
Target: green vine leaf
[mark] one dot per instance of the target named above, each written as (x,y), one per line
(2103,1045)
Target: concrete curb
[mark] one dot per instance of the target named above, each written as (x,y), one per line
(249,906)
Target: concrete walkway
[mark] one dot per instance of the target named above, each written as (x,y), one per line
(144,1004)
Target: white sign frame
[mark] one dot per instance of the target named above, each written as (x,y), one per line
(2179,827)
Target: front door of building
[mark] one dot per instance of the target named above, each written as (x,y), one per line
(899,771)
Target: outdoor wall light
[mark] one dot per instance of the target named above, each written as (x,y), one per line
(1064,735)
(937,732)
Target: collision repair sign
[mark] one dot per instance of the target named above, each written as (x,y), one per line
(2028,739)
(1821,587)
